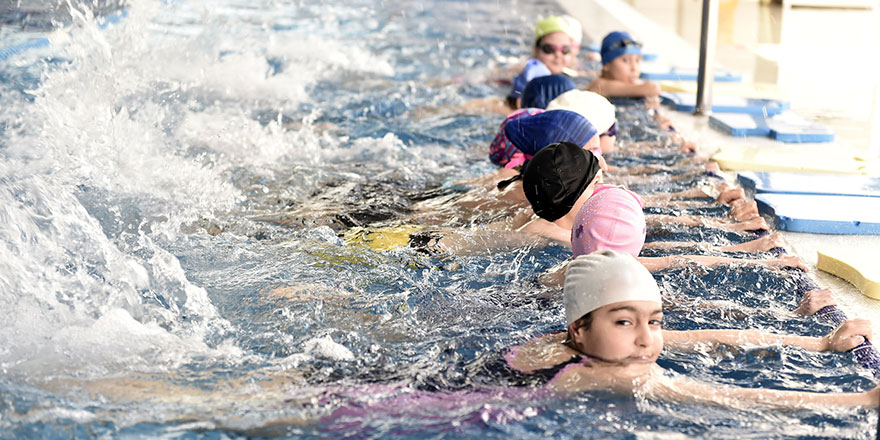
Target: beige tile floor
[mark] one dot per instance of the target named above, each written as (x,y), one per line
(824,60)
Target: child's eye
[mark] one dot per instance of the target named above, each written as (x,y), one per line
(623,322)
(656,322)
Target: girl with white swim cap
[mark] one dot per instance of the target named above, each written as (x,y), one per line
(614,335)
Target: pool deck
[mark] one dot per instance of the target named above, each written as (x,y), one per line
(602,16)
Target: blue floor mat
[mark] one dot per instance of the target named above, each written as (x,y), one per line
(810,183)
(822,214)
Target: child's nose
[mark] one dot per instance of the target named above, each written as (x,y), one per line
(644,336)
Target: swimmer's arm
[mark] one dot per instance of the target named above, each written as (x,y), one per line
(673,244)
(658,263)
(686,220)
(541,352)
(696,192)
(847,336)
(481,240)
(483,105)
(612,88)
(490,181)
(722,193)
(684,390)
(555,278)
(627,380)
(754,224)
(549,230)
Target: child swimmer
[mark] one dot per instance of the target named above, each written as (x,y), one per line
(621,77)
(612,218)
(557,44)
(557,182)
(614,337)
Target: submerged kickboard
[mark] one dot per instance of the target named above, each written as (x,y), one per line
(784,127)
(658,73)
(822,214)
(860,269)
(738,124)
(790,127)
(810,183)
(687,102)
(751,158)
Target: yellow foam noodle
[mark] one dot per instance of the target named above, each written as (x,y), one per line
(861,270)
(794,159)
(736,89)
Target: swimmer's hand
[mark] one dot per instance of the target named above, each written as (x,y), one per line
(763,244)
(687,146)
(742,210)
(729,195)
(755,224)
(815,300)
(653,102)
(555,278)
(788,261)
(848,335)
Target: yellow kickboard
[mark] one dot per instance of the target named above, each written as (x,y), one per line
(796,159)
(861,271)
(381,238)
(737,89)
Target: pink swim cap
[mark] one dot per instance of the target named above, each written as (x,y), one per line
(612,218)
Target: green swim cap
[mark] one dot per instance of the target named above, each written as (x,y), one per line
(559,23)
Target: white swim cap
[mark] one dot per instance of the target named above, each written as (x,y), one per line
(605,277)
(593,106)
(576,30)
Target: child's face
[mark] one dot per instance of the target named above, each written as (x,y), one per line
(627,332)
(561,51)
(596,144)
(625,68)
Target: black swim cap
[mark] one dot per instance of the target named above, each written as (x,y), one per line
(555,178)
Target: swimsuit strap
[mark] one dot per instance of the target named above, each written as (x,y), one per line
(550,373)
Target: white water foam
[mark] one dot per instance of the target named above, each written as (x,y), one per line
(99,168)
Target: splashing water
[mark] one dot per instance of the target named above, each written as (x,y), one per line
(172,192)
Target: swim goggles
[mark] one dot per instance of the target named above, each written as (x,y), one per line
(624,43)
(550,49)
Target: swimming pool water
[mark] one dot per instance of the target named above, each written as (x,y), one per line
(174,190)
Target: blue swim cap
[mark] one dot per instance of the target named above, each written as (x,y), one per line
(618,44)
(540,91)
(532,133)
(533,69)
